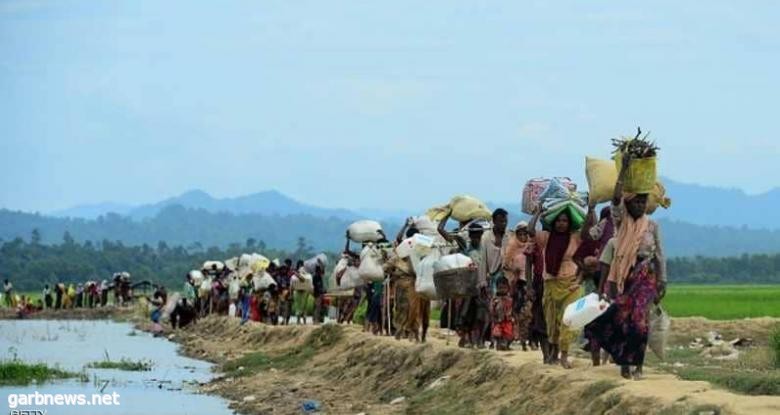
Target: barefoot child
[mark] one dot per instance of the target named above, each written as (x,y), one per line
(501,315)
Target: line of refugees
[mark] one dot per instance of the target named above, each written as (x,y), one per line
(527,278)
(274,304)
(90,294)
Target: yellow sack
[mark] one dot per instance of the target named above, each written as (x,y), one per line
(260,265)
(641,175)
(463,208)
(658,198)
(602,176)
(436,214)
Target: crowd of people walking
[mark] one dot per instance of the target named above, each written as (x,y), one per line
(526,278)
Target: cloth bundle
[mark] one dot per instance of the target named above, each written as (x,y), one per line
(558,198)
(536,190)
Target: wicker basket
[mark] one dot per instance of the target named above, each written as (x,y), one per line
(456,283)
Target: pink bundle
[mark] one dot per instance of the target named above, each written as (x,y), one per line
(534,188)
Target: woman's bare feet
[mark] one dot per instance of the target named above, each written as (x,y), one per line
(638,374)
(565,361)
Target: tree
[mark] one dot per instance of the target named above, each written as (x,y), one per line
(250,244)
(67,239)
(303,249)
(35,237)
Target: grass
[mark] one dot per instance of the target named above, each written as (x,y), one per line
(749,383)
(16,372)
(723,302)
(752,374)
(774,344)
(323,337)
(122,364)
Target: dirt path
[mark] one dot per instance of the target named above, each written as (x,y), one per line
(351,372)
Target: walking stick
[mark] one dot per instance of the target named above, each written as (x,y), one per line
(449,320)
(387,308)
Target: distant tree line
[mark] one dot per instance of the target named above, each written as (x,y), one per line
(31,264)
(194,228)
(759,268)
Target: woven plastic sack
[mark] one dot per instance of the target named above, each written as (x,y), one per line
(232,263)
(262,281)
(426,226)
(424,284)
(211,266)
(658,335)
(302,281)
(365,231)
(450,262)
(462,208)
(641,175)
(310,264)
(371,262)
(602,176)
(351,279)
(658,198)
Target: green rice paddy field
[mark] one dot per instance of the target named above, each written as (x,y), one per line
(723,302)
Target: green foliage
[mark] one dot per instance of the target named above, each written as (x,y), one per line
(197,229)
(16,372)
(190,228)
(723,302)
(30,266)
(760,268)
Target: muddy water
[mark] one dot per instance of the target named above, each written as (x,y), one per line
(169,388)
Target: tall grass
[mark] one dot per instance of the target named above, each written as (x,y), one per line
(774,343)
(16,372)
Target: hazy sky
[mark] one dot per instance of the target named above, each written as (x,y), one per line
(369,104)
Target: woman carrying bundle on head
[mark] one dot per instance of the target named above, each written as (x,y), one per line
(561,283)
(637,279)
(468,314)
(406,318)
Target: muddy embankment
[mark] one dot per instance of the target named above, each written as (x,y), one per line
(273,370)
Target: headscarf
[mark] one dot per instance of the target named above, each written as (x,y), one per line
(609,227)
(629,236)
(556,248)
(514,256)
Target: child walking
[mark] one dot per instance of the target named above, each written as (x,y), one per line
(501,315)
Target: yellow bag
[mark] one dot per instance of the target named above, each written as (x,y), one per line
(641,175)
(658,198)
(462,208)
(602,176)
(438,213)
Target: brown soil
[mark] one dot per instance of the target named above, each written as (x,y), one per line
(354,372)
